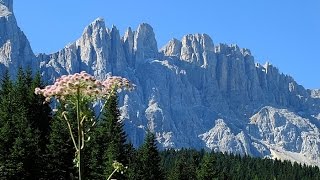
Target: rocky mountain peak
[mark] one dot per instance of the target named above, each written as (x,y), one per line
(128,33)
(145,44)
(196,48)
(245,52)
(15,50)
(232,49)
(6,6)
(128,42)
(117,56)
(114,34)
(128,38)
(172,48)
(97,25)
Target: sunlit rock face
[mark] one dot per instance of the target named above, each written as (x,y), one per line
(15,50)
(190,93)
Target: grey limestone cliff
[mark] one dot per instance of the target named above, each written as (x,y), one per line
(15,50)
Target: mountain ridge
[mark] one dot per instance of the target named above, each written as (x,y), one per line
(190,93)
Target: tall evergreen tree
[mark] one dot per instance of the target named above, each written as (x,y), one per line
(184,167)
(39,113)
(7,135)
(117,137)
(149,160)
(6,124)
(107,143)
(21,152)
(60,150)
(36,114)
(207,169)
(133,163)
(23,160)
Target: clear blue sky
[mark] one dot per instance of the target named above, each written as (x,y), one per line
(284,32)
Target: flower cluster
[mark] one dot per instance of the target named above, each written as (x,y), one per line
(119,167)
(83,84)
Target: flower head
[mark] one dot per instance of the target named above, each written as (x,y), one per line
(84,85)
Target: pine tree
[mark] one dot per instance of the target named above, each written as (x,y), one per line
(19,142)
(39,113)
(23,159)
(184,167)
(6,130)
(133,164)
(149,159)
(60,150)
(116,146)
(107,143)
(6,135)
(207,168)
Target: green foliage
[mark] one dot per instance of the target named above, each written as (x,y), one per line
(107,144)
(149,161)
(207,167)
(20,141)
(133,165)
(38,112)
(60,150)
(117,137)
(223,166)
(184,165)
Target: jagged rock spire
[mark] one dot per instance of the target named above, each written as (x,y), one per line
(145,44)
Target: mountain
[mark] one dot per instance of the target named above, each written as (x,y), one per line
(15,50)
(190,93)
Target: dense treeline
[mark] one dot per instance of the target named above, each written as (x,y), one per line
(35,144)
(24,127)
(192,164)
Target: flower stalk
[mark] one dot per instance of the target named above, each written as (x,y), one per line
(79,133)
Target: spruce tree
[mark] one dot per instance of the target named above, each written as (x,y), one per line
(107,143)
(133,163)
(207,168)
(19,142)
(60,151)
(184,167)
(23,159)
(117,139)
(39,113)
(6,123)
(6,130)
(149,159)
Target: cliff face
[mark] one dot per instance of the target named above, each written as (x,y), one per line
(15,50)
(191,93)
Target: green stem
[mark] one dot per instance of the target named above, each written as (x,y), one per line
(70,131)
(79,132)
(115,170)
